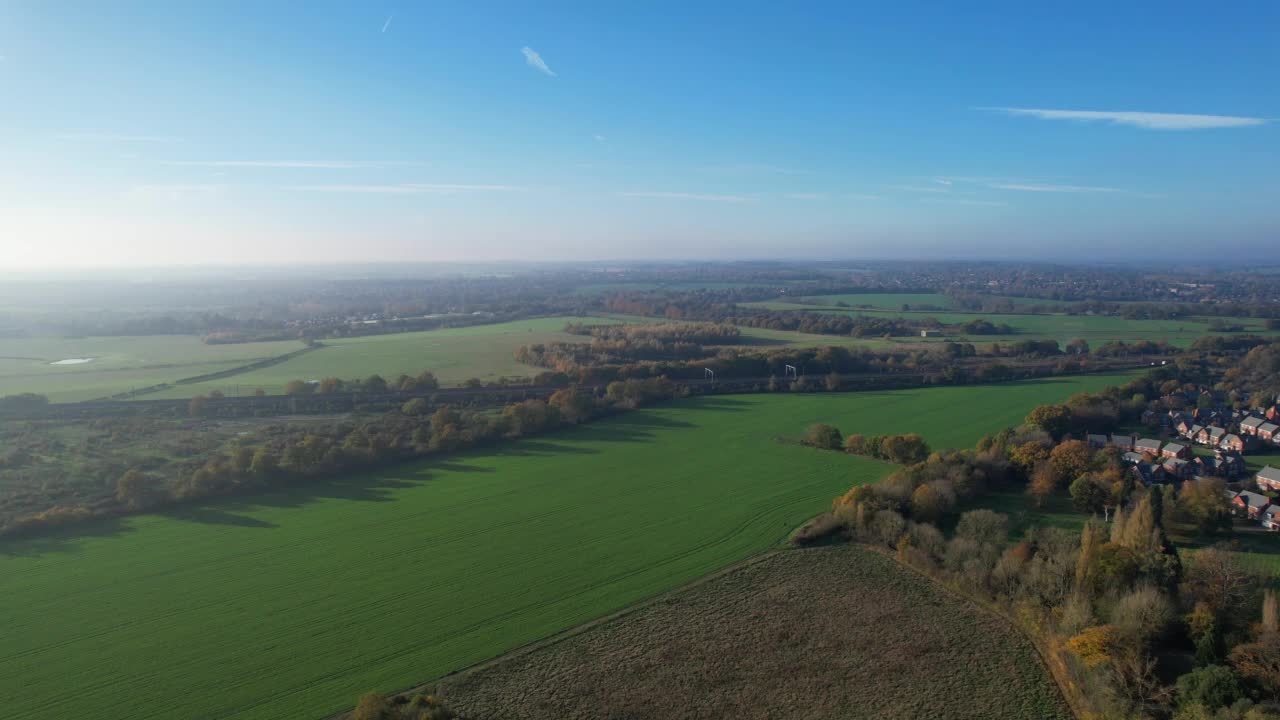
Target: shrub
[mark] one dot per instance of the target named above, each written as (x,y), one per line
(1214,686)
(826,437)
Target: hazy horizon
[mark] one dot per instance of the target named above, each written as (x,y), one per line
(269,135)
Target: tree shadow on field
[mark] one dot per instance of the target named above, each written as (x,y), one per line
(456,467)
(541,447)
(718,402)
(642,419)
(757,341)
(216,516)
(68,540)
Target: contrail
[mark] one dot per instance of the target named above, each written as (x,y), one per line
(387,24)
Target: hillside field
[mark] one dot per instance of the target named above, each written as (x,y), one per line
(830,633)
(453,354)
(290,604)
(118,364)
(1097,329)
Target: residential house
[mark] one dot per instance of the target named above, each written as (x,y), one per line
(1216,433)
(1178,468)
(1183,427)
(1273,412)
(1133,458)
(1175,450)
(1250,504)
(1268,477)
(1268,431)
(1147,445)
(1232,442)
(1198,433)
(1249,426)
(1148,473)
(1270,517)
(1124,442)
(1096,441)
(1222,464)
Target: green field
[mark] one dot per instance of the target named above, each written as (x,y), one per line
(118,364)
(1096,329)
(884,301)
(453,354)
(621,287)
(290,604)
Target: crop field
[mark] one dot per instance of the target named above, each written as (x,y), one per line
(117,364)
(832,632)
(292,603)
(453,354)
(1097,329)
(884,301)
(620,287)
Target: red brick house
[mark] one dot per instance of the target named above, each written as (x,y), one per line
(1175,450)
(1268,478)
(1232,442)
(1250,504)
(1249,425)
(1267,431)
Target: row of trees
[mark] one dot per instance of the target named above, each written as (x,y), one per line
(415,431)
(424,381)
(305,452)
(901,449)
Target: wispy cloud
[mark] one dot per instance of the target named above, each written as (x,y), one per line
(407,188)
(598,138)
(113,137)
(920,188)
(861,196)
(1145,120)
(175,191)
(387,24)
(535,60)
(299,164)
(805,196)
(689,196)
(965,201)
(748,169)
(1038,187)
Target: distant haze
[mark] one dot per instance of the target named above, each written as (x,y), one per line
(144,134)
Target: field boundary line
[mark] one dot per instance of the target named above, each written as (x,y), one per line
(568,633)
(229,372)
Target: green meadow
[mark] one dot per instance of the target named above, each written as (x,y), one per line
(453,354)
(118,364)
(884,301)
(290,604)
(1096,329)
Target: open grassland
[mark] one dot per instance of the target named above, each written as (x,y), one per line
(288,605)
(627,287)
(834,632)
(1097,329)
(453,354)
(764,337)
(884,301)
(118,364)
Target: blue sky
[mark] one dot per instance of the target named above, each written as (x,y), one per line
(245,132)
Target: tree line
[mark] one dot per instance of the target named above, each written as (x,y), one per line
(302,453)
